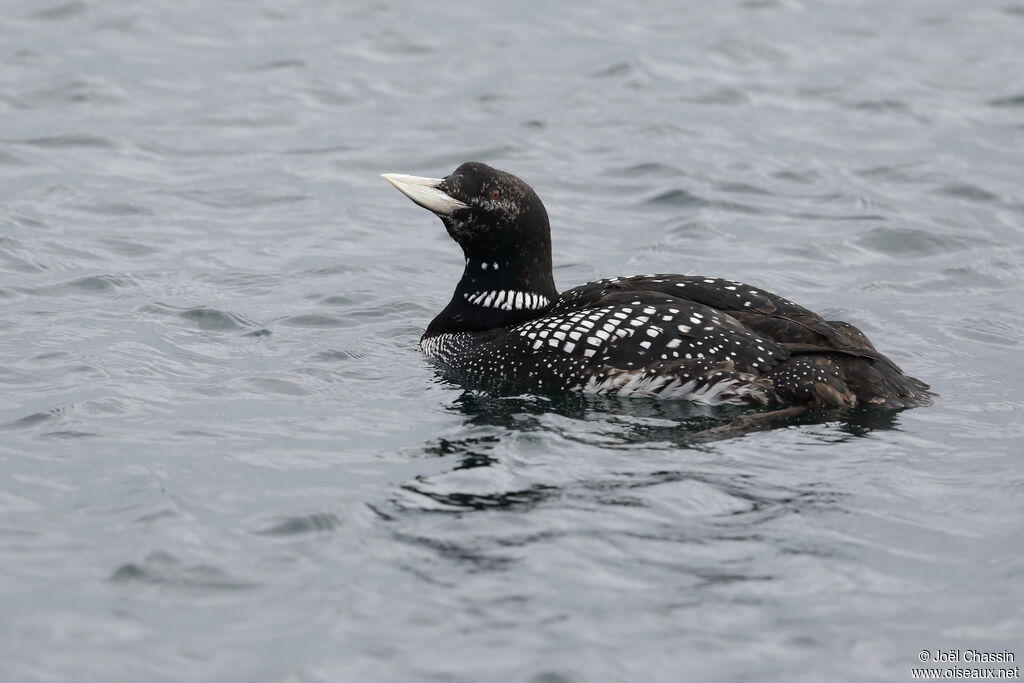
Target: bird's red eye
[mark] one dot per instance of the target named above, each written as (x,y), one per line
(494,195)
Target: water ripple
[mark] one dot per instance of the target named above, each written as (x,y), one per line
(164,569)
(202,317)
(72,141)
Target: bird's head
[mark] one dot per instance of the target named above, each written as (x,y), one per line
(490,213)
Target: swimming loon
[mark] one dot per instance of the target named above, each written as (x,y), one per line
(689,337)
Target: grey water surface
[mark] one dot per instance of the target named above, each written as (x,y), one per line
(223,459)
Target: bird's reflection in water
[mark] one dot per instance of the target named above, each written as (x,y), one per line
(638,421)
(591,480)
(497,415)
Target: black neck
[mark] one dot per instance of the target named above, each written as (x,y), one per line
(513,273)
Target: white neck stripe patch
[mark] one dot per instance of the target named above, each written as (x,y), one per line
(508,300)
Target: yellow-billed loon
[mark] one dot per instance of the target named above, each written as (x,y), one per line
(687,337)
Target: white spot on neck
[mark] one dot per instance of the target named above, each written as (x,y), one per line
(484,265)
(508,300)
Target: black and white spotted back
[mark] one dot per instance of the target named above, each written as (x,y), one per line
(600,339)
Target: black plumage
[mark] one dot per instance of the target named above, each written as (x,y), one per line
(674,336)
